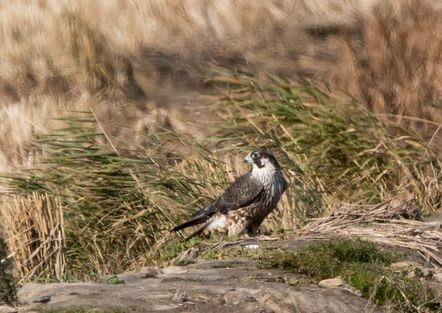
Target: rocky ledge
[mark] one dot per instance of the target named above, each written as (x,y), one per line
(205,286)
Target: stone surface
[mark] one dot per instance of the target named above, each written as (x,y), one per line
(7,309)
(427,272)
(207,286)
(403,266)
(332,283)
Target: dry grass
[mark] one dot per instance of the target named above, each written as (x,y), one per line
(141,64)
(386,223)
(396,49)
(118,177)
(331,144)
(116,210)
(35,229)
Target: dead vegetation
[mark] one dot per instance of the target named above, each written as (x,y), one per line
(39,244)
(144,64)
(159,100)
(387,223)
(116,210)
(332,145)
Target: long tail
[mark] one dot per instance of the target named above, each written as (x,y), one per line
(198,217)
(198,231)
(194,221)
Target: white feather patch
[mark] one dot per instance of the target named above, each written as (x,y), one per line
(218,223)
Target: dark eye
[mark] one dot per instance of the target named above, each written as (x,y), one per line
(255,155)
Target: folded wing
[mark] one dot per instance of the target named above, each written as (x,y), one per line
(243,191)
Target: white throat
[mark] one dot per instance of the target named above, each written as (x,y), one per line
(265,174)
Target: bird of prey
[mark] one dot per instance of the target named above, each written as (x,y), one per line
(245,203)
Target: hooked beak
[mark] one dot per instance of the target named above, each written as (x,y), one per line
(248,159)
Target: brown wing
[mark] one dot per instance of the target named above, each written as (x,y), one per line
(240,193)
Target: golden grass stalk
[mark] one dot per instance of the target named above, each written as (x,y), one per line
(34,226)
(390,223)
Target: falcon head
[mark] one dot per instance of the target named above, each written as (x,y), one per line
(262,159)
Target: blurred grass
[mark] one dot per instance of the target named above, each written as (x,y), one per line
(117,206)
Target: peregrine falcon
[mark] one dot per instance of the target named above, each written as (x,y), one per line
(246,202)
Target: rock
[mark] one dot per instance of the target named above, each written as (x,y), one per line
(438,277)
(338,282)
(43,299)
(114,280)
(427,272)
(149,275)
(403,266)
(233,287)
(149,272)
(7,309)
(332,283)
(171,270)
